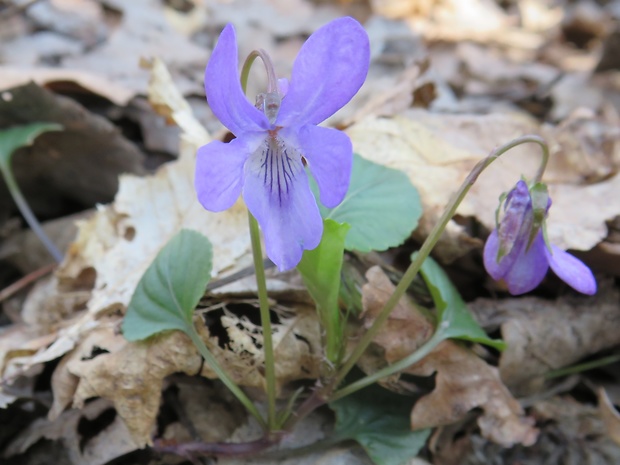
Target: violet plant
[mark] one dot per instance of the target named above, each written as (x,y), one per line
(277,146)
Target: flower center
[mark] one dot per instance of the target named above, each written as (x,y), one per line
(277,165)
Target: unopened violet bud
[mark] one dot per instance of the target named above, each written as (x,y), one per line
(516,217)
(516,252)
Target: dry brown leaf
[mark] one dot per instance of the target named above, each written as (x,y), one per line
(12,76)
(405,330)
(81,163)
(609,415)
(112,442)
(120,241)
(547,335)
(440,150)
(132,376)
(463,381)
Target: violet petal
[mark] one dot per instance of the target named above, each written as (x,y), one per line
(571,270)
(219,173)
(223,89)
(330,68)
(489,256)
(277,193)
(329,154)
(529,269)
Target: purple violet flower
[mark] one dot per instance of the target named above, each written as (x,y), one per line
(273,140)
(509,255)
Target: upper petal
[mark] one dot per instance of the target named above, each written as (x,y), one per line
(219,172)
(277,193)
(517,219)
(529,269)
(330,68)
(329,154)
(571,270)
(223,88)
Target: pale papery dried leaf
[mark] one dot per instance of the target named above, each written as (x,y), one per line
(439,149)
(296,340)
(463,381)
(121,240)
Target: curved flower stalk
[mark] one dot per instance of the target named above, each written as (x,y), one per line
(265,163)
(517,252)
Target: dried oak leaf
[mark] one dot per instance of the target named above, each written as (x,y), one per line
(131,376)
(463,381)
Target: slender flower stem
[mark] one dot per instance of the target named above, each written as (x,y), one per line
(223,376)
(272,80)
(25,210)
(409,360)
(427,247)
(263,300)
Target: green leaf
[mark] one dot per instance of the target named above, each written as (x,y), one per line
(454,318)
(171,287)
(320,269)
(18,136)
(381,206)
(379,421)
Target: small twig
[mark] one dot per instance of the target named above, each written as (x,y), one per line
(25,281)
(218,449)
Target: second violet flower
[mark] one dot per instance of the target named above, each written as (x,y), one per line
(517,253)
(265,162)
